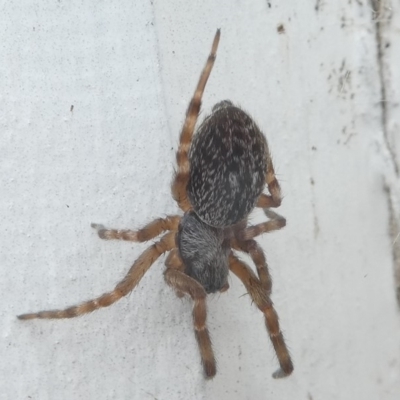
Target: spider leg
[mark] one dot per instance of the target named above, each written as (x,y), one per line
(132,278)
(264,303)
(275,197)
(150,231)
(182,174)
(182,283)
(253,249)
(275,223)
(174,261)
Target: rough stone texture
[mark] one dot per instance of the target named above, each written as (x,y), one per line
(93,96)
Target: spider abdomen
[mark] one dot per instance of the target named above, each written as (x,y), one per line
(228,166)
(204,252)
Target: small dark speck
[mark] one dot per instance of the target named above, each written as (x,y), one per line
(173,52)
(269,5)
(71,108)
(314,148)
(312,181)
(343,65)
(280,28)
(33,28)
(387,45)
(67,205)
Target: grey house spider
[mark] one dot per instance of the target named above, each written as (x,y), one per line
(221,173)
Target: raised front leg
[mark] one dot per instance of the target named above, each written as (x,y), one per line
(182,174)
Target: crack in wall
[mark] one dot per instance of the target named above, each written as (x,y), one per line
(394,231)
(381,15)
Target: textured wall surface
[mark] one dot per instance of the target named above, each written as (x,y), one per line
(93,95)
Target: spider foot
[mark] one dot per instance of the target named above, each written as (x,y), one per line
(272,214)
(101,229)
(111,234)
(280,373)
(209,369)
(27,316)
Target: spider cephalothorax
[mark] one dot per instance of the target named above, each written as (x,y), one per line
(219,179)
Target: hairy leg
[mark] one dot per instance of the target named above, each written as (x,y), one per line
(265,305)
(182,283)
(174,261)
(256,253)
(182,174)
(275,197)
(132,278)
(275,223)
(150,231)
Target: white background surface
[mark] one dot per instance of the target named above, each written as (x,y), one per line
(129,69)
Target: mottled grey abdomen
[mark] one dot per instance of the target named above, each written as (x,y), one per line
(228,162)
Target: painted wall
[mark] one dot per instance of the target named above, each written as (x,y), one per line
(93,95)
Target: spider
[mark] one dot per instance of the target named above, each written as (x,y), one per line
(221,172)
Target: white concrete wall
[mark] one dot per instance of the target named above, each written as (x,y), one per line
(129,69)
